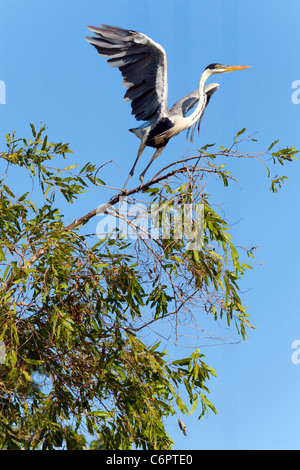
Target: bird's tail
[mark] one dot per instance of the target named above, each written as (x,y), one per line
(139,132)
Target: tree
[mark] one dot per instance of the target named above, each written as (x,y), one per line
(74,308)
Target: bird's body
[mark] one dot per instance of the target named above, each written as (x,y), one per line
(143,65)
(155,134)
(158,133)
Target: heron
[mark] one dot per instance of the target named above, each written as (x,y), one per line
(143,64)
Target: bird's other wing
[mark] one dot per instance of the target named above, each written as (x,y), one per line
(184,105)
(210,89)
(143,65)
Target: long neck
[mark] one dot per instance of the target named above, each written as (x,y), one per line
(197,113)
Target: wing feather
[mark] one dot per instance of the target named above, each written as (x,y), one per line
(184,105)
(143,65)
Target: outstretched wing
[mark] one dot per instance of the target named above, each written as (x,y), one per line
(184,105)
(143,65)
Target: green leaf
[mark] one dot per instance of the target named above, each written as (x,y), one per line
(33,130)
(8,190)
(272,145)
(70,167)
(101,414)
(240,132)
(207,403)
(194,404)
(44,143)
(26,375)
(181,405)
(182,362)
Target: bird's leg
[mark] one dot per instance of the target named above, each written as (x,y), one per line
(156,154)
(140,151)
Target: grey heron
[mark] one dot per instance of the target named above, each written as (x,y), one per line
(143,64)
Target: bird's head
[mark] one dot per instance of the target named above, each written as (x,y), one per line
(221,68)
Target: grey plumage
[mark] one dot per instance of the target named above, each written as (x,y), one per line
(185,104)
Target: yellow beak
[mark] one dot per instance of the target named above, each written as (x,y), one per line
(231,68)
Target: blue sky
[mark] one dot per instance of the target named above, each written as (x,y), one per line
(52,75)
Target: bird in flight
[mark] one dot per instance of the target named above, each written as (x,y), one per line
(143,64)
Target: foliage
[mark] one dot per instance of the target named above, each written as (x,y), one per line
(73,311)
